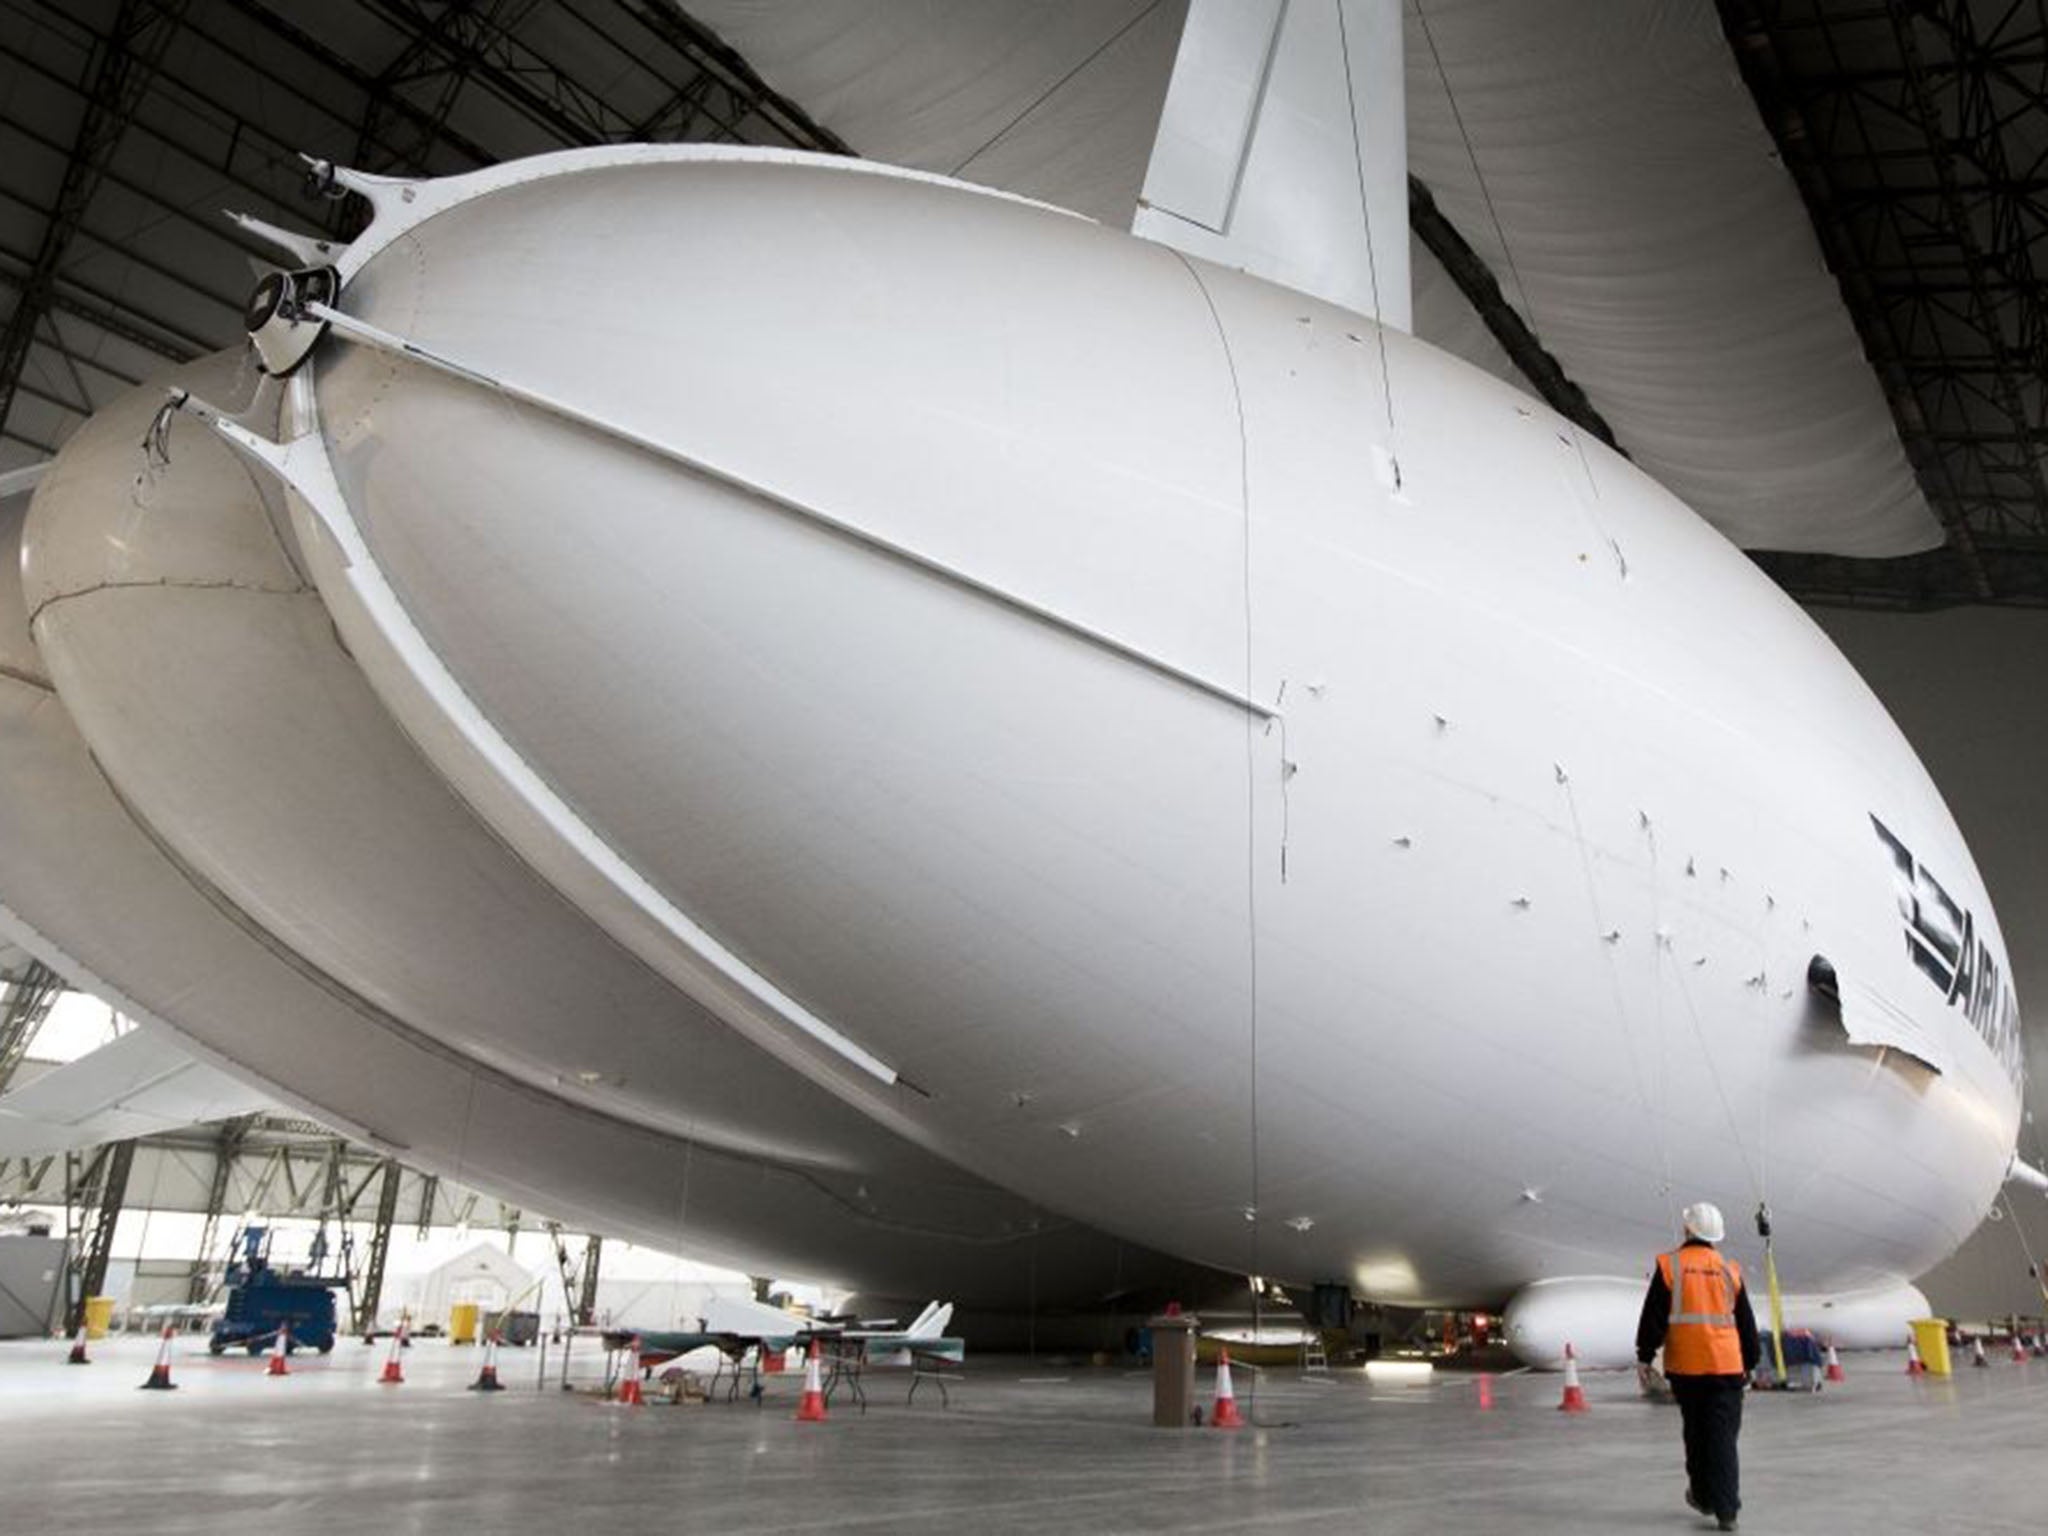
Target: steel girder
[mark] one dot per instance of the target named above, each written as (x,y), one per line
(1917,134)
(127,58)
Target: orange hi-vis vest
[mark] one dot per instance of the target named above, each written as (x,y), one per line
(1701,1339)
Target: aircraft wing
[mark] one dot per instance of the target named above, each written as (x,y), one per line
(900,1349)
(141,1084)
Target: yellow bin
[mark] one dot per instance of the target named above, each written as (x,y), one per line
(462,1323)
(99,1314)
(1930,1334)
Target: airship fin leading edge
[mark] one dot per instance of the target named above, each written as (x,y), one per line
(1283,149)
(369,335)
(730,987)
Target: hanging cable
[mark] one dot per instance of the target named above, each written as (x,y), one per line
(2033,1266)
(1372,265)
(1756,1188)
(1472,158)
(1608,937)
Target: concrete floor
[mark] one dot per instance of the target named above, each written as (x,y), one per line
(1037,1449)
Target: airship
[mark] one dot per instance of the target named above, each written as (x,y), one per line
(1057,758)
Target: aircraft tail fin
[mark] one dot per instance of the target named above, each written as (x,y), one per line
(1283,149)
(931,1322)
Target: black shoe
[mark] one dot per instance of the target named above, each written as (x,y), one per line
(1726,1522)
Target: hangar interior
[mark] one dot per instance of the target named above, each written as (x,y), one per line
(1777,253)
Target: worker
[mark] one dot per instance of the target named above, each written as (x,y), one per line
(1698,1310)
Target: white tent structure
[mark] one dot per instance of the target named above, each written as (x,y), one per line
(484,1274)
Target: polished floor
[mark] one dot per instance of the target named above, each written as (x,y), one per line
(1025,1448)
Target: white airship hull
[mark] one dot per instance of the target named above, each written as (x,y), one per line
(1062,671)
(1223,772)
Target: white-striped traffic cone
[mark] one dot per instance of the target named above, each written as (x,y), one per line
(1915,1366)
(78,1355)
(811,1409)
(487,1378)
(160,1373)
(1977,1352)
(394,1372)
(1225,1414)
(278,1349)
(1574,1400)
(1834,1370)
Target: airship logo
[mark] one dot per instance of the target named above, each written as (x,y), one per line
(1941,938)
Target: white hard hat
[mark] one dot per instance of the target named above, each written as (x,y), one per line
(1704,1221)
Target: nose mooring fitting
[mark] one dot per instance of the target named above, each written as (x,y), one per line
(277,321)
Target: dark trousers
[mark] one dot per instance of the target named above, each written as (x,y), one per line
(1712,1409)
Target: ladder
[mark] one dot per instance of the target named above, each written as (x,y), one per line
(1315,1360)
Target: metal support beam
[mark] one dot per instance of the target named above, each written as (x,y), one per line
(110,1192)
(122,72)
(709,53)
(586,1290)
(370,1294)
(430,1191)
(1909,583)
(1838,140)
(382,94)
(1481,289)
(227,1147)
(24,1003)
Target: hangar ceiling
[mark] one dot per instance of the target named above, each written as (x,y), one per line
(129,127)
(1918,136)
(1912,129)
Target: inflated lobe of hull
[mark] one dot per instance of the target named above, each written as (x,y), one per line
(1335,835)
(275,875)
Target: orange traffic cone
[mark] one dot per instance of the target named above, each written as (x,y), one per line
(1486,1392)
(629,1386)
(1574,1394)
(487,1378)
(394,1373)
(2019,1350)
(1834,1370)
(77,1355)
(1225,1415)
(278,1349)
(811,1409)
(1915,1366)
(160,1373)
(1977,1352)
